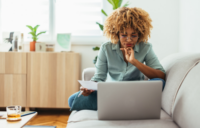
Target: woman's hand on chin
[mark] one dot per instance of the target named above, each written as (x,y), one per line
(129,54)
(86,92)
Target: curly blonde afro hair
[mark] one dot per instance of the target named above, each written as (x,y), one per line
(125,17)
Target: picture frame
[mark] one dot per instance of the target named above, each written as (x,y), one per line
(11,41)
(63,42)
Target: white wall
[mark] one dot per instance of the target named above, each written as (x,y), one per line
(87,55)
(165,20)
(189,26)
(165,34)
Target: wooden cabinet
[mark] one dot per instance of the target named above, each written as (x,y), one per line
(13,62)
(12,78)
(12,90)
(52,78)
(38,79)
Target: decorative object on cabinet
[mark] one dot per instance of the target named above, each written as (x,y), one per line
(10,39)
(20,44)
(4,47)
(40,47)
(15,43)
(50,47)
(63,42)
(34,36)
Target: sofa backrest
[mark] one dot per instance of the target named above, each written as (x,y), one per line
(177,66)
(186,109)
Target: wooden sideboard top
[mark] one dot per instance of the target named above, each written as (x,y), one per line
(39,52)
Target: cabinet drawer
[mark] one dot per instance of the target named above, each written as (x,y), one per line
(12,90)
(12,63)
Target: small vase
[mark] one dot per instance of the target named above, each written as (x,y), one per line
(32,46)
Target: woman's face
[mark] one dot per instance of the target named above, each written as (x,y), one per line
(129,38)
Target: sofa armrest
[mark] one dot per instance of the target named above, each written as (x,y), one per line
(88,73)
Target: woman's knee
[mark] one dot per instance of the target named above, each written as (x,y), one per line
(71,99)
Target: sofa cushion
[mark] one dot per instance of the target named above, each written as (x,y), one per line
(89,119)
(186,110)
(124,124)
(176,66)
(85,115)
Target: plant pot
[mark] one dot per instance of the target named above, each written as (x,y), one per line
(32,46)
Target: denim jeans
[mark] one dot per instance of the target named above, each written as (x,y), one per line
(72,97)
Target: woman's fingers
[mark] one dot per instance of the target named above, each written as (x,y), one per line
(131,50)
(122,49)
(132,53)
(86,92)
(81,88)
(129,53)
(125,51)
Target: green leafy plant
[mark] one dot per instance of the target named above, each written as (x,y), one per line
(33,32)
(115,4)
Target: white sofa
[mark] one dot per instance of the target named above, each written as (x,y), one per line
(180,98)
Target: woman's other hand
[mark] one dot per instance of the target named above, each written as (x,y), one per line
(86,92)
(129,54)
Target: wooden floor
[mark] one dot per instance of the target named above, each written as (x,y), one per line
(50,117)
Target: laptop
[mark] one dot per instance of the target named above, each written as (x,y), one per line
(129,100)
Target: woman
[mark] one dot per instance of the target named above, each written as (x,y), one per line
(122,59)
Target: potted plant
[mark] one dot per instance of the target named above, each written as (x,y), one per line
(116,4)
(34,36)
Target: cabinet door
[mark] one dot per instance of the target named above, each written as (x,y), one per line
(12,90)
(12,62)
(52,78)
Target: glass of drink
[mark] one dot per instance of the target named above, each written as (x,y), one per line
(13,113)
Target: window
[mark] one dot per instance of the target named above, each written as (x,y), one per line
(16,14)
(78,17)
